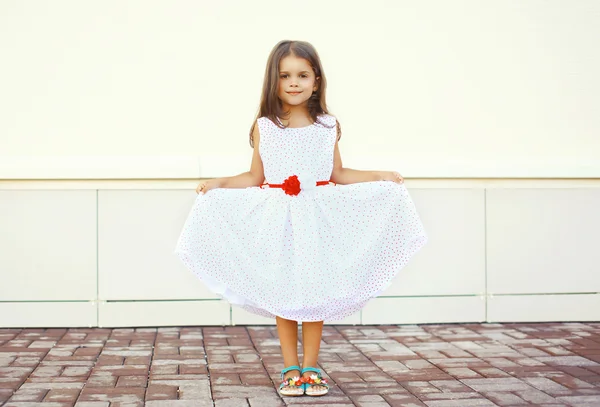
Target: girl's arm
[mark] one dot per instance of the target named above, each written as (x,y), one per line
(252,178)
(343,176)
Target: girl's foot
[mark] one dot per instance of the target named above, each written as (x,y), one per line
(291,385)
(314,384)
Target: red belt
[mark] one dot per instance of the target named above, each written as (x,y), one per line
(292,185)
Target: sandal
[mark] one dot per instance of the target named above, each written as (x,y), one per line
(314,380)
(292,386)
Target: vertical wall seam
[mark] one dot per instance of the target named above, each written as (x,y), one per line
(485,252)
(97,262)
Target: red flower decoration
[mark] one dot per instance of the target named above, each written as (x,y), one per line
(291,185)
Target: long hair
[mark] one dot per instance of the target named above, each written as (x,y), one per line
(270,104)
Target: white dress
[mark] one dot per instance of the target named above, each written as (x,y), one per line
(319,255)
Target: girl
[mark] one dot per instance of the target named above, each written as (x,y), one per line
(299,237)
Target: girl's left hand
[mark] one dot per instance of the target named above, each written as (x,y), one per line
(392,176)
(207,185)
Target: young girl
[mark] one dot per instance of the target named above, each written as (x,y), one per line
(299,237)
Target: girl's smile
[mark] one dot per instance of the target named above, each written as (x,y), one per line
(297,81)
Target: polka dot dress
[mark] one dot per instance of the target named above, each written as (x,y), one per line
(320,255)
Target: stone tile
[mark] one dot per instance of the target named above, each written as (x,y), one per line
(567,361)
(34,395)
(496,384)
(133,381)
(400,400)
(274,401)
(161,392)
(233,391)
(255,379)
(62,395)
(461,403)
(581,401)
(462,372)
(232,402)
(505,398)
(547,386)
(36,404)
(113,395)
(52,384)
(180,403)
(535,396)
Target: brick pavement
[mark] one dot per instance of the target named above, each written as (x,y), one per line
(550,365)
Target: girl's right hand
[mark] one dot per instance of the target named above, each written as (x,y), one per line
(392,176)
(207,185)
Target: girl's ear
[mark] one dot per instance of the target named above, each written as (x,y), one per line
(317,80)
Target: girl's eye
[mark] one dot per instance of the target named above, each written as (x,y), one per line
(284,76)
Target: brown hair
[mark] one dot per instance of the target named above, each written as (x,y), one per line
(270,105)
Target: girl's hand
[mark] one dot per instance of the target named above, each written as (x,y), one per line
(207,185)
(392,176)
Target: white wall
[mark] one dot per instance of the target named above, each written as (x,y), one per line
(111,111)
(435,88)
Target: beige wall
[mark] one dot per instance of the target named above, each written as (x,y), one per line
(433,88)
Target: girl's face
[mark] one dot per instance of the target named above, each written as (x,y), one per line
(296,81)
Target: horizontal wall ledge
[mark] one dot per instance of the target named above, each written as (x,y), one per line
(543,308)
(163,313)
(99,167)
(55,314)
(207,165)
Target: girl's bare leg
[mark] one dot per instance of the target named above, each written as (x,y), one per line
(311,343)
(288,338)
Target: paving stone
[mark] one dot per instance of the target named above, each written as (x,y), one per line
(114,395)
(255,379)
(5,394)
(273,401)
(229,391)
(233,402)
(36,404)
(547,386)
(496,384)
(180,403)
(581,401)
(505,398)
(35,395)
(161,392)
(235,367)
(54,384)
(196,390)
(535,396)
(462,372)
(76,371)
(490,372)
(62,395)
(133,381)
(567,361)
(460,403)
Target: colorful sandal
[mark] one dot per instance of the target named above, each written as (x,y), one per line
(295,386)
(315,379)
